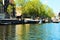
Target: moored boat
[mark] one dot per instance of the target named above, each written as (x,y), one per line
(15,21)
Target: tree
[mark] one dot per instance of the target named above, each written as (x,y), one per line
(31,8)
(34,8)
(50,12)
(9,10)
(20,2)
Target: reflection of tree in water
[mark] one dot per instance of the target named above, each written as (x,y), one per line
(37,32)
(2,32)
(10,32)
(33,32)
(20,32)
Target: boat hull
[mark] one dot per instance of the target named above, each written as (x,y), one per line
(17,22)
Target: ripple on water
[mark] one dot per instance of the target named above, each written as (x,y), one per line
(49,31)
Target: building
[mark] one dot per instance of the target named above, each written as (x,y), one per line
(2,14)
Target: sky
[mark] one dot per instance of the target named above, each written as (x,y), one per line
(54,4)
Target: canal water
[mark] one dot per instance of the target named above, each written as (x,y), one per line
(46,31)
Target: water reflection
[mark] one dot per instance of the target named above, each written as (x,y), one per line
(47,31)
(10,32)
(2,30)
(7,32)
(22,31)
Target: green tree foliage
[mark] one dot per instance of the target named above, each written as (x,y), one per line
(31,8)
(50,12)
(46,11)
(0,0)
(42,11)
(20,2)
(9,9)
(35,8)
